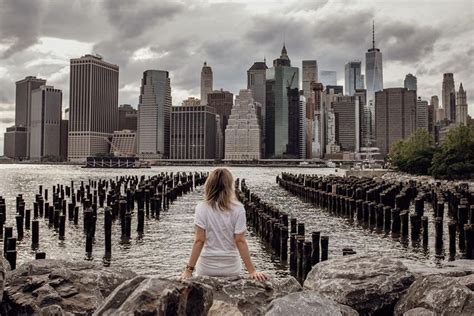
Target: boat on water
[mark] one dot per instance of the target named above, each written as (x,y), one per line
(115,162)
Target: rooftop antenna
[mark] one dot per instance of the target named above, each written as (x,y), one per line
(373,34)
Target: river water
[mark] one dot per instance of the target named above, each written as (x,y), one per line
(165,246)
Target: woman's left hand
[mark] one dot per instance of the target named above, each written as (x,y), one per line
(186,274)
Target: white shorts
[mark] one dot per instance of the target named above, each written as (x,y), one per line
(218,266)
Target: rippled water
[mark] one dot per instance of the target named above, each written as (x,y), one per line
(166,244)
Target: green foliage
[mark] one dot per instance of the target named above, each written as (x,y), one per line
(414,154)
(455,159)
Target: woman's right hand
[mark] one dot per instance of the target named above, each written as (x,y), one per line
(259,276)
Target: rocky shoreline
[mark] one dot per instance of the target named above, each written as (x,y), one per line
(350,285)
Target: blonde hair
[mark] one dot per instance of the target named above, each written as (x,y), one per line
(219,189)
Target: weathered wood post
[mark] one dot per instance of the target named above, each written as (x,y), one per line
(108,233)
(324,248)
(315,236)
(452,239)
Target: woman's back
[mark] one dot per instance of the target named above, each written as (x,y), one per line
(221,227)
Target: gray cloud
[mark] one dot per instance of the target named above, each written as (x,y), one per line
(231,36)
(133,18)
(18,24)
(405,42)
(7,120)
(7,107)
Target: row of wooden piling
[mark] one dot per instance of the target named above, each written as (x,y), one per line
(395,208)
(275,228)
(117,199)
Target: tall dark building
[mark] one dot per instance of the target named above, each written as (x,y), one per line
(449,97)
(45,130)
(222,102)
(193,132)
(347,115)
(279,78)
(395,116)
(410,82)
(24,90)
(154,113)
(128,117)
(294,123)
(94,85)
(256,82)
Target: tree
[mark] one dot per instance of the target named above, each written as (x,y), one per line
(455,159)
(414,154)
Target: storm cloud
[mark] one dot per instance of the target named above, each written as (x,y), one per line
(39,37)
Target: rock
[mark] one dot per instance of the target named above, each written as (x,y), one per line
(452,268)
(419,311)
(4,267)
(368,284)
(249,296)
(158,296)
(221,308)
(467,280)
(307,303)
(439,294)
(75,287)
(52,310)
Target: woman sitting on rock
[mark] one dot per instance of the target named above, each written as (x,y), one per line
(220,227)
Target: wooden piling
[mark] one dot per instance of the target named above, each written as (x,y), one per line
(324,248)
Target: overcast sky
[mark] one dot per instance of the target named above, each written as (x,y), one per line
(424,37)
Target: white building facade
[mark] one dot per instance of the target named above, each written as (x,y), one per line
(243,132)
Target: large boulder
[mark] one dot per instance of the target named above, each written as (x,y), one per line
(419,311)
(370,285)
(308,303)
(457,268)
(4,267)
(158,296)
(439,294)
(251,297)
(74,287)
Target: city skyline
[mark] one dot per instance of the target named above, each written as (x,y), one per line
(48,52)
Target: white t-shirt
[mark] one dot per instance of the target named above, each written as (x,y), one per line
(220,227)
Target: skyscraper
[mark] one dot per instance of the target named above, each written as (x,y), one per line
(24,89)
(256,82)
(316,140)
(206,82)
(45,131)
(154,114)
(449,97)
(373,77)
(461,106)
(310,74)
(296,146)
(410,82)
(242,141)
(346,114)
(222,102)
(193,132)
(279,78)
(128,117)
(94,85)
(353,77)
(328,77)
(422,114)
(395,116)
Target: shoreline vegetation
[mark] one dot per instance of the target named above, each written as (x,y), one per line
(451,160)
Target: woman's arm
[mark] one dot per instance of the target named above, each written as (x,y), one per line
(241,244)
(199,239)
